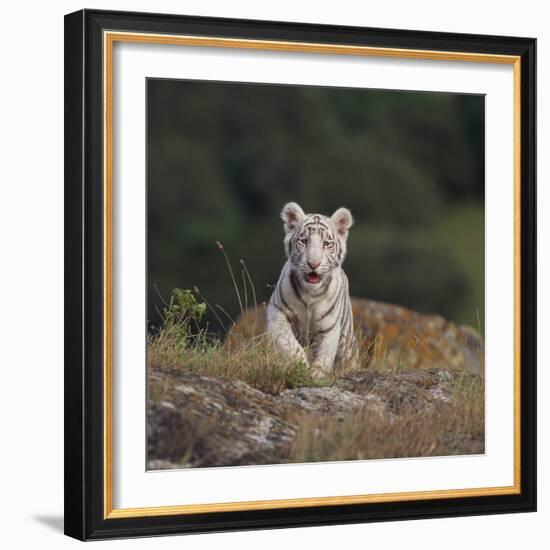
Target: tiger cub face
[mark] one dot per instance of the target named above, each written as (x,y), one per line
(315,244)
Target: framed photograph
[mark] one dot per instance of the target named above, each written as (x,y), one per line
(300,274)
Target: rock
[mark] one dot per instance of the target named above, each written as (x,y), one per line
(396,336)
(205,421)
(330,400)
(418,391)
(215,422)
(163,421)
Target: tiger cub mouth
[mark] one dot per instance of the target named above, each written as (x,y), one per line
(312,278)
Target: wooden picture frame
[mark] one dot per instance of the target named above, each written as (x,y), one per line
(90,36)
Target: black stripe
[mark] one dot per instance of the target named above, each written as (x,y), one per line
(348,342)
(331,308)
(294,285)
(337,321)
(316,221)
(282,298)
(327,284)
(345,324)
(282,311)
(326,330)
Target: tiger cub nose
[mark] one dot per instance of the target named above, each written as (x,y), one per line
(314,265)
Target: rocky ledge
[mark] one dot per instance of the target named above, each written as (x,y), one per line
(201,421)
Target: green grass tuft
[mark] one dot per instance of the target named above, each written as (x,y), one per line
(180,343)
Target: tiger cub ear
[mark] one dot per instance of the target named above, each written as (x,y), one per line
(292,214)
(342,221)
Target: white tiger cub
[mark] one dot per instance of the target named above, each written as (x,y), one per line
(310,306)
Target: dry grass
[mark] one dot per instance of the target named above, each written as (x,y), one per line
(450,428)
(251,360)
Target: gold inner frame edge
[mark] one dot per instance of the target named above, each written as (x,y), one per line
(109,39)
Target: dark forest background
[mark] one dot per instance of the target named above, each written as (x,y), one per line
(223,159)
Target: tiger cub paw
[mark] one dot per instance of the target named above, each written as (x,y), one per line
(318,373)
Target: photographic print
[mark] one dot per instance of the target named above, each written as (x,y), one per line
(299,274)
(315,274)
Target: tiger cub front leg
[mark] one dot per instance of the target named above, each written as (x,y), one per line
(282,336)
(325,350)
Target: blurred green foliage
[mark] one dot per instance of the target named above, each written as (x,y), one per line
(223,158)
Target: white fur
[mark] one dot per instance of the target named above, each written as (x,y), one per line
(318,313)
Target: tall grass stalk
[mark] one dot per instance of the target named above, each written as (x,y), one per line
(243,263)
(198,293)
(235,286)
